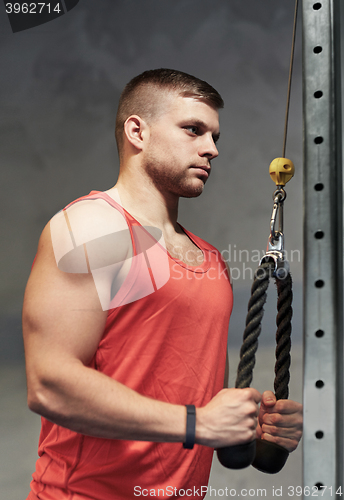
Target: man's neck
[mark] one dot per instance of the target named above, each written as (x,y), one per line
(144,202)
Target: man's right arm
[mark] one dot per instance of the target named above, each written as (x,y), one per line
(63,323)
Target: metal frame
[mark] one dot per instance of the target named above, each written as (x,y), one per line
(323,249)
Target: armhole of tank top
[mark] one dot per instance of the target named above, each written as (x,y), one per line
(127,216)
(73,240)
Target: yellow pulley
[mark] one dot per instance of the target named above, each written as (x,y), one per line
(281,171)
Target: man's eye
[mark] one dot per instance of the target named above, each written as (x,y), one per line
(192,128)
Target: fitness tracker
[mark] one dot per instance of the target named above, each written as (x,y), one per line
(190,427)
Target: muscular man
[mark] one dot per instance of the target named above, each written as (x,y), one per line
(126,318)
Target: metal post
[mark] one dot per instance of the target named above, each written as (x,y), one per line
(323,250)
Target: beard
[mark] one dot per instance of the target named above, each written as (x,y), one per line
(167,179)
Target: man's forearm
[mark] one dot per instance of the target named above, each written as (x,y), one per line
(92,403)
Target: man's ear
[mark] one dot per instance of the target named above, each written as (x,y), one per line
(135,130)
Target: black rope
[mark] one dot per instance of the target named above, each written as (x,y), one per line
(283,333)
(253,328)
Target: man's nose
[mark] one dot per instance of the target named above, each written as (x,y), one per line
(209,148)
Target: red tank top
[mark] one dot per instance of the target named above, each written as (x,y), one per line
(169,345)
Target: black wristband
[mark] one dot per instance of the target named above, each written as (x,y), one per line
(190,427)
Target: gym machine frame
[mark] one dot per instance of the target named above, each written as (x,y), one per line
(323,248)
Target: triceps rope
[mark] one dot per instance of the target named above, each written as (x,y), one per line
(264,455)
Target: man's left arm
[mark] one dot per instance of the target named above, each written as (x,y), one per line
(280,421)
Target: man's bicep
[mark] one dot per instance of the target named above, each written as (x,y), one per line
(62,314)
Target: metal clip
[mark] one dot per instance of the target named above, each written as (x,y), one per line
(279,196)
(275,248)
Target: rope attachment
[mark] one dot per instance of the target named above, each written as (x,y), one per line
(253,329)
(263,455)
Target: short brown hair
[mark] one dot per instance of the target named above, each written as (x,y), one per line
(140,95)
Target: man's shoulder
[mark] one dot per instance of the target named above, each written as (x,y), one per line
(94,225)
(89,217)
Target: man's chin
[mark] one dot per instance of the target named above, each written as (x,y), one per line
(193,193)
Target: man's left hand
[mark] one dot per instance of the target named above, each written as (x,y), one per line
(280,421)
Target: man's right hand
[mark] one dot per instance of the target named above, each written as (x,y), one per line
(230,418)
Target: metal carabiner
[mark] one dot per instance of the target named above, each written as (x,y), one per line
(279,196)
(275,248)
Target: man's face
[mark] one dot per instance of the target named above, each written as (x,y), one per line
(181,145)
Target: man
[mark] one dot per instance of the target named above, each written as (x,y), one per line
(126,317)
